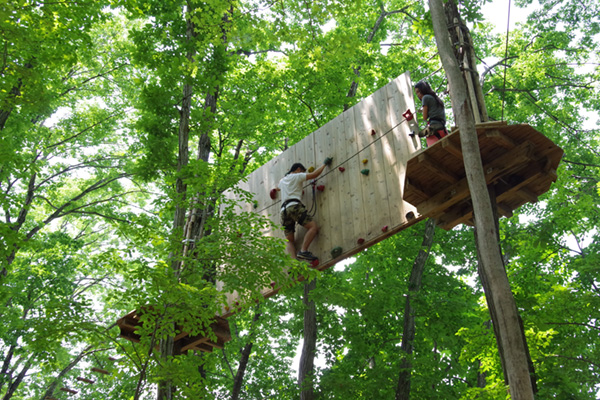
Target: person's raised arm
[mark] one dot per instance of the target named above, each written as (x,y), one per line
(318,171)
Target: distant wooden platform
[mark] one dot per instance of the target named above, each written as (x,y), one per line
(518,161)
(183,341)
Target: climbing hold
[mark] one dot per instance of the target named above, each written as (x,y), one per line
(365,161)
(226,308)
(342,169)
(408,115)
(273,284)
(273,194)
(384,229)
(365,171)
(314,263)
(336,252)
(373,132)
(310,169)
(360,241)
(328,161)
(256,204)
(320,188)
(410,215)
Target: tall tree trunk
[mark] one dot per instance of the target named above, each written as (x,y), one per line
(309,347)
(12,388)
(238,381)
(408,333)
(49,394)
(512,341)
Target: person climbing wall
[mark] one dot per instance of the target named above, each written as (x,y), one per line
(294,212)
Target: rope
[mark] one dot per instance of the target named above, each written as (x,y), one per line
(505,58)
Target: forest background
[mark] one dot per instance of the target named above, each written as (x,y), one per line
(122,123)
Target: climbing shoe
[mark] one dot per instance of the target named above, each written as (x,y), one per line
(306,255)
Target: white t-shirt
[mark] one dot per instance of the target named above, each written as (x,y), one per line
(291,186)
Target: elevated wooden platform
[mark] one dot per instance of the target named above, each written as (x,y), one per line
(183,341)
(518,161)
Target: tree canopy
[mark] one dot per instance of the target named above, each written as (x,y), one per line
(123,123)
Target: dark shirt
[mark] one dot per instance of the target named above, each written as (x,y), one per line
(434,110)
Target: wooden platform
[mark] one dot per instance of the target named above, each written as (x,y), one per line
(183,341)
(518,161)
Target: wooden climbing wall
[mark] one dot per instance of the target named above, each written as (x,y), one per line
(355,210)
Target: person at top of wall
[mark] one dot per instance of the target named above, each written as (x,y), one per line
(434,113)
(294,212)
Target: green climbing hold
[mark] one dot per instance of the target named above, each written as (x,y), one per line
(365,171)
(336,252)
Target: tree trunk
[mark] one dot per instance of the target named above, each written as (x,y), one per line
(49,394)
(246,351)
(309,348)
(408,332)
(508,320)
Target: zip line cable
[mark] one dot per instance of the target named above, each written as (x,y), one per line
(505,59)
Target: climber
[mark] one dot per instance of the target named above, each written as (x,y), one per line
(434,113)
(293,211)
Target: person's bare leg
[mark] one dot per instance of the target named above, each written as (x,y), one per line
(291,245)
(311,231)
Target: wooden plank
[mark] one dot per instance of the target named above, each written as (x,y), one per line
(435,206)
(85,380)
(527,195)
(99,370)
(388,156)
(373,185)
(330,235)
(355,206)
(500,139)
(426,162)
(400,100)
(453,149)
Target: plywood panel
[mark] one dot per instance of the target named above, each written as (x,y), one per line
(353,205)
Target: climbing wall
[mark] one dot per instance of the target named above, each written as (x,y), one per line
(360,202)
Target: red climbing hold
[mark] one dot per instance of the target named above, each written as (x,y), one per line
(408,115)
(273,284)
(360,241)
(342,169)
(273,194)
(314,263)
(373,132)
(384,229)
(320,188)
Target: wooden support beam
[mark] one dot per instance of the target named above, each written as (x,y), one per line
(415,189)
(86,380)
(504,210)
(426,162)
(70,391)
(452,148)
(527,195)
(500,139)
(501,166)
(99,370)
